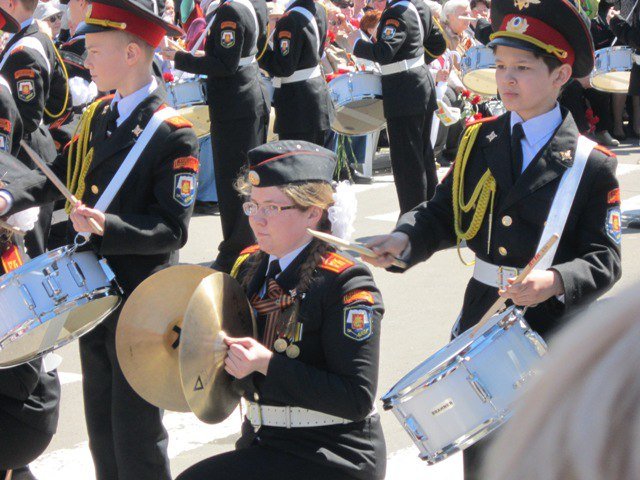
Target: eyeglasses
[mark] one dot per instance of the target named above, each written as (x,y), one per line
(54,18)
(251,208)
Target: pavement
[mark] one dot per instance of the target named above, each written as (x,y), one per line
(421,307)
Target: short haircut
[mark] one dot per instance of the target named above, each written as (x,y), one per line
(147,49)
(29,5)
(450,6)
(474,3)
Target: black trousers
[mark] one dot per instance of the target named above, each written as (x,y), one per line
(414,168)
(319,137)
(259,463)
(126,436)
(230,142)
(601,105)
(21,443)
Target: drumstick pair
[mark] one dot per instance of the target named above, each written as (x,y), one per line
(57,182)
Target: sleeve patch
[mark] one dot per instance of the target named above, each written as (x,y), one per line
(179,122)
(5,125)
(613,197)
(358,296)
(188,163)
(227,38)
(26,90)
(335,263)
(184,188)
(388,32)
(285,46)
(613,225)
(284,34)
(24,73)
(357,323)
(4,142)
(19,48)
(228,24)
(392,21)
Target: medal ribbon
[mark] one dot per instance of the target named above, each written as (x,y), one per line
(270,307)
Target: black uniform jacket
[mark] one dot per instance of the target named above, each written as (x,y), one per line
(31,396)
(300,106)
(334,373)
(398,38)
(147,222)
(233,92)
(627,33)
(74,53)
(10,123)
(587,259)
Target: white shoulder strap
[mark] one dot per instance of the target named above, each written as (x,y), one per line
(413,8)
(252,10)
(132,157)
(4,83)
(28,42)
(312,21)
(563,200)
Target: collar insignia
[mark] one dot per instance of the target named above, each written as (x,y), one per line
(492,136)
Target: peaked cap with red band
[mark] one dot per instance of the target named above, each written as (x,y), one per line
(8,24)
(552,27)
(133,16)
(290,161)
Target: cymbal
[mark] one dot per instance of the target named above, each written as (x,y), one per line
(218,308)
(149,332)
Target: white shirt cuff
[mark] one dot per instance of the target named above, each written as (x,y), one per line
(7,196)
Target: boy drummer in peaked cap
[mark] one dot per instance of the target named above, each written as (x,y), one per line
(498,195)
(143,227)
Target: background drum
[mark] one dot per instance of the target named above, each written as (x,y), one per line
(357,98)
(186,92)
(52,300)
(478,70)
(612,70)
(467,389)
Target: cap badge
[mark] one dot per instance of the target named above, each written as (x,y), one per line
(517,25)
(254,178)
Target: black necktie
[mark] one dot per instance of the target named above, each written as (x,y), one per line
(517,134)
(273,270)
(112,118)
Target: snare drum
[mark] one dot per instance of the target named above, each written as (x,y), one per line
(357,97)
(187,92)
(478,70)
(467,389)
(52,300)
(612,70)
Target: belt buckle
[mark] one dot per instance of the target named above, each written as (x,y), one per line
(504,273)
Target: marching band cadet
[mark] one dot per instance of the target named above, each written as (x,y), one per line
(142,228)
(10,120)
(319,320)
(237,107)
(303,107)
(408,95)
(498,195)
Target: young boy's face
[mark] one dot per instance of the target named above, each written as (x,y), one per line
(524,82)
(106,59)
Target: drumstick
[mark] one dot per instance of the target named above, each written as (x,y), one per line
(56,182)
(174,45)
(11,228)
(464,17)
(499,303)
(356,247)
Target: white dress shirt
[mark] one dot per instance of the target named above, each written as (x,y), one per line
(126,105)
(537,132)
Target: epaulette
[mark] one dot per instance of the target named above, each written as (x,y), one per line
(335,262)
(251,249)
(179,122)
(606,151)
(71,41)
(244,254)
(481,120)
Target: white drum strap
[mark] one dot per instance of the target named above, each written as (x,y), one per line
(313,22)
(4,83)
(413,8)
(131,159)
(563,200)
(28,42)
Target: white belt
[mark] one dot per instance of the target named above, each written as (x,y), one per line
(244,61)
(493,275)
(298,76)
(402,65)
(289,417)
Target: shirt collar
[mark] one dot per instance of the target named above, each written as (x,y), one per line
(23,25)
(286,260)
(540,127)
(126,105)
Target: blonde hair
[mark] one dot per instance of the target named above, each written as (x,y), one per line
(581,420)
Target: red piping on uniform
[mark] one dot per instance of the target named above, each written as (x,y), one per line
(298,152)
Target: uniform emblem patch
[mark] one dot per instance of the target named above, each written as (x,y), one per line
(358,296)
(188,163)
(613,197)
(26,90)
(4,142)
(388,32)
(228,38)
(5,124)
(184,188)
(285,44)
(614,224)
(357,323)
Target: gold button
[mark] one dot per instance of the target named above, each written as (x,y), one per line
(94,189)
(507,221)
(503,251)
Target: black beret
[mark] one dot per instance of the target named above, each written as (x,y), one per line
(290,161)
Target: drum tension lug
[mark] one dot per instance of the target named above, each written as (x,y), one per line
(479,388)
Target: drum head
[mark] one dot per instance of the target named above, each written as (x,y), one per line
(36,339)
(359,117)
(199,116)
(482,81)
(613,82)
